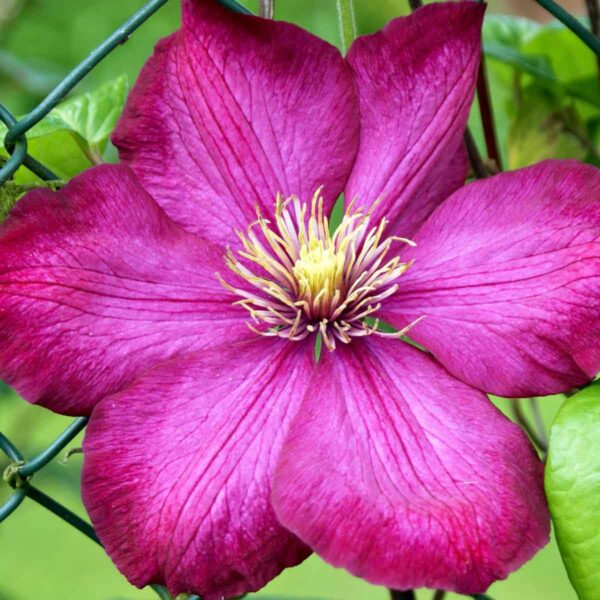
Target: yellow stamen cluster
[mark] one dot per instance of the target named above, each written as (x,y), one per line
(303,279)
(319,272)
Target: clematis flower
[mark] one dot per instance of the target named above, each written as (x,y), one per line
(218,454)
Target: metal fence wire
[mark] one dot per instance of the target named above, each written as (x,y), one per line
(18,475)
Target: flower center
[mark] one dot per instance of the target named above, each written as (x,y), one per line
(320,274)
(301,279)
(319,270)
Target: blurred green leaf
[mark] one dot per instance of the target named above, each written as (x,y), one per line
(504,37)
(509,30)
(573,63)
(525,43)
(539,66)
(569,57)
(573,489)
(543,106)
(585,88)
(551,54)
(37,79)
(543,128)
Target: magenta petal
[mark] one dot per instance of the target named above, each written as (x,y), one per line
(406,476)
(507,276)
(233,109)
(97,284)
(178,469)
(415,82)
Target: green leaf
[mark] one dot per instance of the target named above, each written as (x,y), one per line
(573,489)
(73,135)
(94,115)
(543,128)
(90,117)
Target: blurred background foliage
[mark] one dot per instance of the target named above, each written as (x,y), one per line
(545,88)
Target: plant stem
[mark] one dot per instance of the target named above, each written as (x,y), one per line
(538,421)
(414,4)
(567,19)
(487,115)
(593,11)
(267,9)
(475,159)
(161,592)
(522,420)
(402,595)
(439,595)
(594,15)
(347,22)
